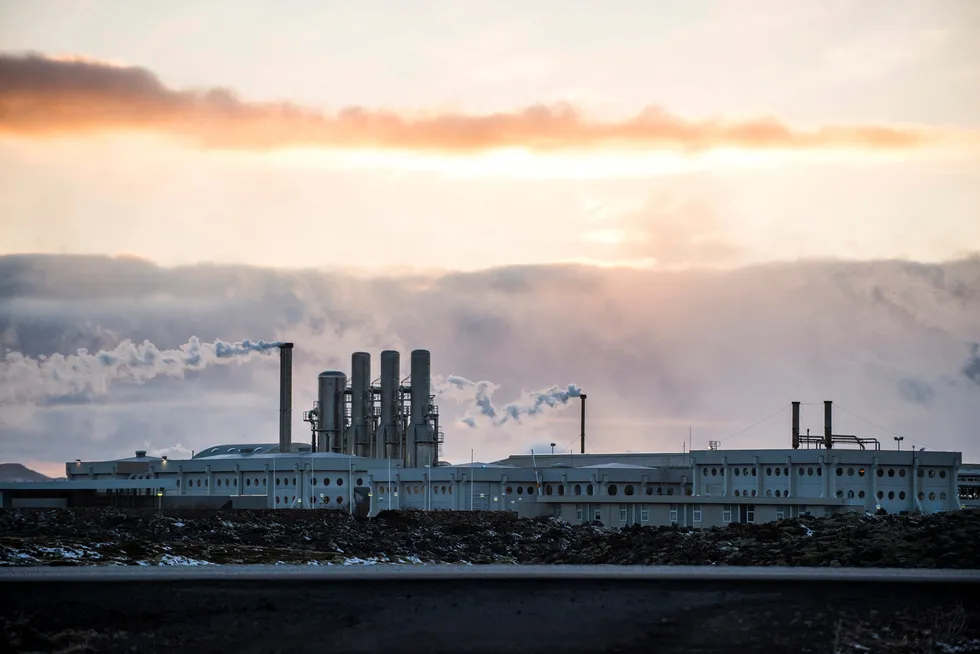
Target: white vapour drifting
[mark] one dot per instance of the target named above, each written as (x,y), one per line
(480,395)
(24,380)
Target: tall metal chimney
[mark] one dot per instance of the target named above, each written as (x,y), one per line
(419,436)
(359,439)
(388,432)
(828,424)
(796,425)
(583,396)
(285,397)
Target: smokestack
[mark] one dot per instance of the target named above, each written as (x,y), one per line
(418,445)
(387,436)
(285,397)
(828,424)
(583,396)
(359,441)
(796,425)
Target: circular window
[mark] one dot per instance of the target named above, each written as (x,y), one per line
(768,472)
(360,482)
(881,473)
(589,490)
(340,482)
(768,492)
(901,473)
(850,472)
(248,482)
(891,495)
(777,493)
(548,490)
(612,490)
(850,494)
(942,496)
(932,473)
(714,472)
(219,482)
(922,473)
(891,472)
(861,494)
(510,491)
(777,472)
(520,490)
(802,471)
(840,493)
(942,474)
(277,499)
(786,472)
(578,489)
(932,496)
(649,490)
(313,482)
(736,493)
(736,472)
(881,495)
(820,472)
(860,472)
(753,493)
(561,489)
(629,489)
(530,490)
(901,495)
(921,495)
(840,472)
(340,500)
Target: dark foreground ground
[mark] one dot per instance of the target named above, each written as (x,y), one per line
(120,537)
(478,617)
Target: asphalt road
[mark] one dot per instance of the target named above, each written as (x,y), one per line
(462,609)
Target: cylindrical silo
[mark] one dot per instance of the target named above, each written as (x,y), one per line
(359,438)
(419,436)
(388,440)
(331,410)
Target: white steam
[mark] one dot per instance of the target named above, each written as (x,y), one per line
(480,396)
(24,380)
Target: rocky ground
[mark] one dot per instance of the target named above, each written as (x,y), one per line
(135,537)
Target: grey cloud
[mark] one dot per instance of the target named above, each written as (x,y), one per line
(655,351)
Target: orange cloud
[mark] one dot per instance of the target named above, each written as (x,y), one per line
(43,97)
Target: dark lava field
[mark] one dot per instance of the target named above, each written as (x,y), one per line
(146,537)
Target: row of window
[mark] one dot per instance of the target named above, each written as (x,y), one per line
(286,500)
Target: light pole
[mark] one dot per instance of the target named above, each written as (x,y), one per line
(899,439)
(552,448)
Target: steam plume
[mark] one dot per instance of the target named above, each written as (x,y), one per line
(480,395)
(42,96)
(27,380)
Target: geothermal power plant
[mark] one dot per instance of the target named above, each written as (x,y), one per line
(375,443)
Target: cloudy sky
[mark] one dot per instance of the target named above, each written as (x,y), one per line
(696,211)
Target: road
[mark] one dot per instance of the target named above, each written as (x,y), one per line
(462,609)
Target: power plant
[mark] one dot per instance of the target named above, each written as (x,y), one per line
(376,443)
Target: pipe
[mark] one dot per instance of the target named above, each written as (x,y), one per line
(583,396)
(387,437)
(285,397)
(828,424)
(796,425)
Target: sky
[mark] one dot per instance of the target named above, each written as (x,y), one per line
(695,211)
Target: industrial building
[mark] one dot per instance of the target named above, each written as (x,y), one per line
(376,445)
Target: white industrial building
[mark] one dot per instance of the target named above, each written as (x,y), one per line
(375,446)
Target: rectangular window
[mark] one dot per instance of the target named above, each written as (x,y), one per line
(579,513)
(750,513)
(673,514)
(697,513)
(597,514)
(644,514)
(780,513)
(726,513)
(623,511)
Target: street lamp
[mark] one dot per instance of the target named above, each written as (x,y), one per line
(552,448)
(899,439)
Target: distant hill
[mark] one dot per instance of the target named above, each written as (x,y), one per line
(18,472)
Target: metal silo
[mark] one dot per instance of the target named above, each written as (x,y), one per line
(420,438)
(359,434)
(388,433)
(332,410)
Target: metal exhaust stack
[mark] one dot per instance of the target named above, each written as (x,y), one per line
(828,424)
(583,396)
(796,425)
(285,397)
